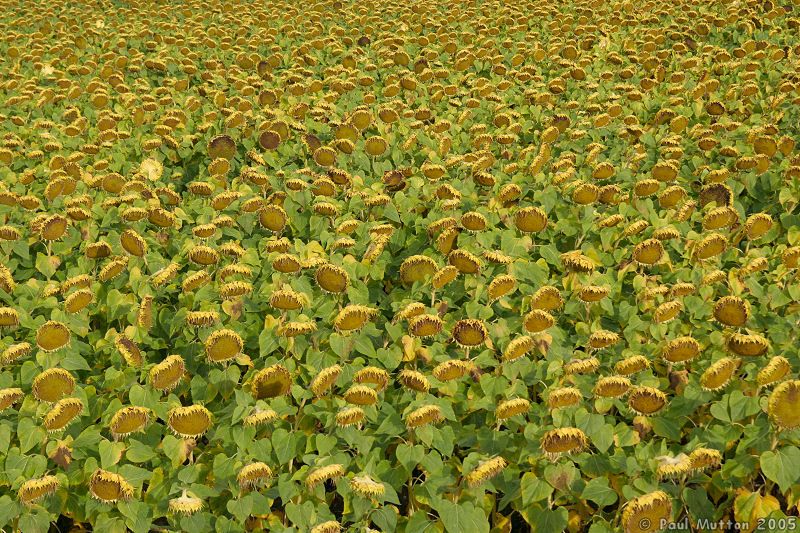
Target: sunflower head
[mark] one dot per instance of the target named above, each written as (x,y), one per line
(485,471)
(646,400)
(271,382)
(223,345)
(63,412)
(33,490)
(52,336)
(774,371)
(323,474)
(469,333)
(130,419)
(253,475)
(10,396)
(427,414)
(784,405)
(189,421)
(563,441)
(53,384)
(109,487)
(185,504)
(166,375)
(325,379)
(647,513)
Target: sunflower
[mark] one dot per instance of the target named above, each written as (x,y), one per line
(469,333)
(719,374)
(190,421)
(485,471)
(51,335)
(510,408)
(166,375)
(53,384)
(184,504)
(253,475)
(774,371)
(34,490)
(612,386)
(109,487)
(324,473)
(9,397)
(681,349)
(530,219)
(271,382)
(561,441)
(62,413)
(332,278)
(417,268)
(223,345)
(646,400)
(366,487)
(427,414)
(128,420)
(646,514)
(353,317)
(749,345)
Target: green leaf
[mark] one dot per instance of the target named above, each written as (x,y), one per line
(782,466)
(138,515)
(598,491)
(734,407)
(138,452)
(462,517)
(241,508)
(534,489)
(547,520)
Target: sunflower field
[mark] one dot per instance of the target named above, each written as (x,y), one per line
(444,267)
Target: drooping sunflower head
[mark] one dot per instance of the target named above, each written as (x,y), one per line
(414,380)
(603,338)
(129,351)
(427,414)
(784,405)
(469,333)
(53,384)
(332,278)
(646,400)
(15,352)
(648,252)
(451,369)
(425,325)
(166,375)
(485,471)
(510,408)
(366,487)
(350,416)
(353,317)
(130,419)
(774,371)
(361,395)
(564,397)
(518,348)
(748,344)
(647,514)
(681,350)
(323,474)
(417,268)
(34,490)
(538,320)
(63,412)
(185,504)
(575,261)
(612,386)
(372,375)
(464,261)
(189,421)
(271,382)
(223,345)
(260,417)
(325,379)
(672,467)
(530,219)
(704,458)
(253,475)
(9,397)
(109,487)
(719,373)
(547,298)
(557,442)
(731,311)
(52,336)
